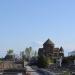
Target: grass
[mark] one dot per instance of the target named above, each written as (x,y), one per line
(66,73)
(1,61)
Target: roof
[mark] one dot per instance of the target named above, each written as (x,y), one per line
(49,42)
(61,49)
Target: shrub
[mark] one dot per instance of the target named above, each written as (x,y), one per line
(43,61)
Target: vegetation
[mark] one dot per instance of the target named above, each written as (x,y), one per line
(68,60)
(43,61)
(50,61)
(28,53)
(22,56)
(1,61)
(9,55)
(10,52)
(66,73)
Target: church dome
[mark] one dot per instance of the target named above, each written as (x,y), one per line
(48,42)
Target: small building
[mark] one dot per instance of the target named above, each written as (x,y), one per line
(50,51)
(72,53)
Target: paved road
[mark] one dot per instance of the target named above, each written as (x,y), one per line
(35,71)
(32,71)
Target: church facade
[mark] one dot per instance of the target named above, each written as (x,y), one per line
(50,51)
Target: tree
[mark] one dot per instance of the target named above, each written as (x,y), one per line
(10,55)
(42,61)
(28,52)
(33,60)
(22,55)
(35,54)
(10,52)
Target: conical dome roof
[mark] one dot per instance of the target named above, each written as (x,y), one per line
(48,42)
(61,49)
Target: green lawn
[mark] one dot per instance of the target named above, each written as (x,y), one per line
(66,73)
(1,61)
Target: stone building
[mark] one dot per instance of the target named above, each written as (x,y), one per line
(50,51)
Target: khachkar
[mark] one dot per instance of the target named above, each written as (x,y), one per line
(50,51)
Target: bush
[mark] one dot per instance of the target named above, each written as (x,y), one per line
(42,61)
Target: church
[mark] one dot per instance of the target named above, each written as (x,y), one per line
(50,51)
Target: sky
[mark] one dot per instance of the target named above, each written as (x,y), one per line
(25,23)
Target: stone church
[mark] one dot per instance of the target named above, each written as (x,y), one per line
(49,50)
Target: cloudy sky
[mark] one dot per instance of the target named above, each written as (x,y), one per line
(26,23)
